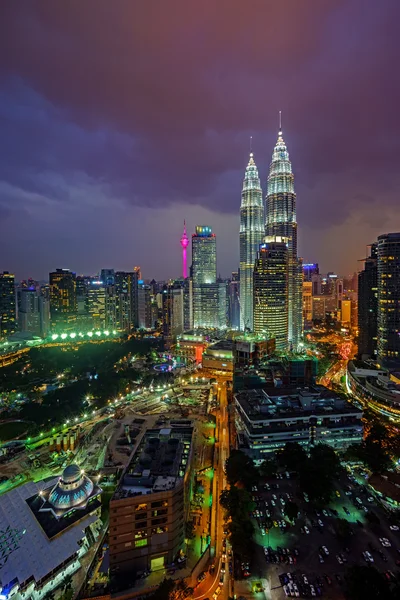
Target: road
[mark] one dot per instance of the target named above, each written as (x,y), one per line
(212,582)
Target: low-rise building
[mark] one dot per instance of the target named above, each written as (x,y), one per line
(46,528)
(266,419)
(218,358)
(148,509)
(374,387)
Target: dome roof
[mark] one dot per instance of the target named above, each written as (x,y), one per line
(73,489)
(71,473)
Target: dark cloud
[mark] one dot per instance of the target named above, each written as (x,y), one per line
(108,108)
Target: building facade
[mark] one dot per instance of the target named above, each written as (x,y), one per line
(271,292)
(7,305)
(63,302)
(206,291)
(29,311)
(368,304)
(251,236)
(388,332)
(149,507)
(173,312)
(280,215)
(267,419)
(97,304)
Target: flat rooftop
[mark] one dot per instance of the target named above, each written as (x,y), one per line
(283,403)
(30,553)
(221,346)
(159,463)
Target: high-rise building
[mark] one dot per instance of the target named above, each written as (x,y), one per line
(307,305)
(345,312)
(97,304)
(44,312)
(368,304)
(29,310)
(63,304)
(389,300)
(7,304)
(204,273)
(173,312)
(107,276)
(251,236)
(271,292)
(310,269)
(144,306)
(233,302)
(127,300)
(280,214)
(184,241)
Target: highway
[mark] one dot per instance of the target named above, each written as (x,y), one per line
(212,582)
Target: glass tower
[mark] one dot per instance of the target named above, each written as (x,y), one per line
(270,291)
(368,304)
(204,274)
(251,236)
(7,304)
(389,300)
(280,214)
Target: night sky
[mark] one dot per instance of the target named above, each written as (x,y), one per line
(120,118)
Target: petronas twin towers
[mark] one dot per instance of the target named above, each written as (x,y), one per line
(276,221)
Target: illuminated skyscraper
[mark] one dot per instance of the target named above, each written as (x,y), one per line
(368,304)
(184,244)
(208,295)
(7,304)
(271,275)
(389,300)
(63,304)
(280,215)
(251,236)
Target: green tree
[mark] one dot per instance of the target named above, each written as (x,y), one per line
(291,510)
(240,467)
(292,456)
(366,583)
(343,529)
(268,468)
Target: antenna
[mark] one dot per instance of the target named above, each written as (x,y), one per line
(251,145)
(280,120)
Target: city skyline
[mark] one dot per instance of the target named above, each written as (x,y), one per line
(87,159)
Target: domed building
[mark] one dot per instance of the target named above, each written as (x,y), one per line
(73,491)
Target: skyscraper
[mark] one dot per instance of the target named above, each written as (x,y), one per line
(251,236)
(280,215)
(271,292)
(97,304)
(184,243)
(368,304)
(63,305)
(389,300)
(173,312)
(234,306)
(7,304)
(29,310)
(204,273)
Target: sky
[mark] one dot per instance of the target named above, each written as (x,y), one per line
(120,119)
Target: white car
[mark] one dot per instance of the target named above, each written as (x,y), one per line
(325,512)
(273,502)
(306,529)
(339,559)
(368,556)
(305,579)
(274,497)
(394,528)
(325,549)
(286,590)
(385,542)
(296,590)
(312,590)
(283,502)
(320,523)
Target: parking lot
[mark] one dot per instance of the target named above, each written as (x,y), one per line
(291,556)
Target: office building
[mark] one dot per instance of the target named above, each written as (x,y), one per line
(63,303)
(144,306)
(190,346)
(271,274)
(173,312)
(280,215)
(388,333)
(310,270)
(110,308)
(97,304)
(127,299)
(150,506)
(307,305)
(218,359)
(107,276)
(7,305)
(44,313)
(233,302)
(206,290)
(345,313)
(47,528)
(368,304)
(266,419)
(29,310)
(250,237)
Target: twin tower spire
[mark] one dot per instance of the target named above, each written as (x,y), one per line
(276,217)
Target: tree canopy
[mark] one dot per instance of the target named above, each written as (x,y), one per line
(240,468)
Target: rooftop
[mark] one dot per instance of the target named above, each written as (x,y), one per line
(283,403)
(30,552)
(159,463)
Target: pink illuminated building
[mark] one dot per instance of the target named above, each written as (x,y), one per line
(184,244)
